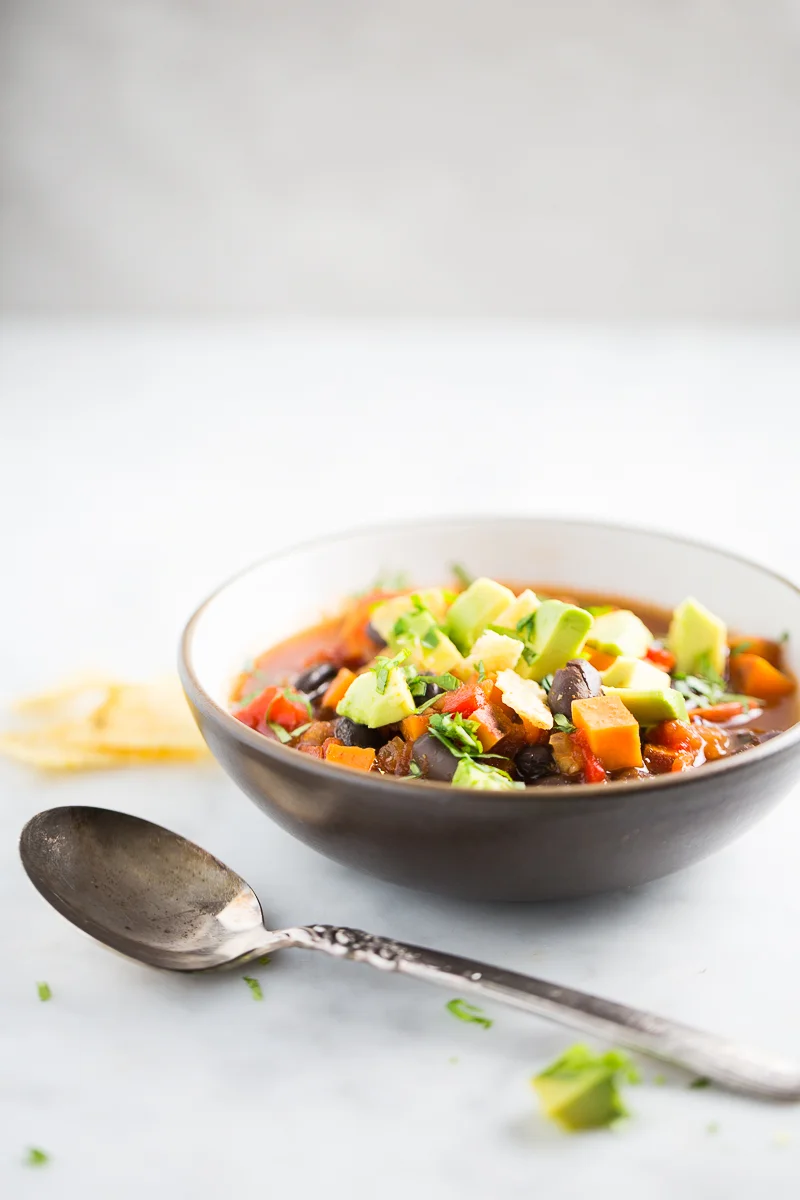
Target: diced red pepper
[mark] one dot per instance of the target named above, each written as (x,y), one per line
(661,657)
(720,712)
(593,770)
(465,699)
(676,735)
(275,704)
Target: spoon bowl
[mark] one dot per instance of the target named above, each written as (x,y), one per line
(156,897)
(140,889)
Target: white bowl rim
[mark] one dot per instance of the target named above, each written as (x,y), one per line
(541,792)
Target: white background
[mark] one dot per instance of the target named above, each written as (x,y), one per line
(601,159)
(140,465)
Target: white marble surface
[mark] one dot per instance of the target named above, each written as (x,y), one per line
(137,467)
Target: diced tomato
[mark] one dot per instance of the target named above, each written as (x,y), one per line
(662,760)
(676,735)
(716,741)
(465,699)
(275,704)
(593,770)
(661,657)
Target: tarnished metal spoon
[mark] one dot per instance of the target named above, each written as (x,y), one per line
(156,897)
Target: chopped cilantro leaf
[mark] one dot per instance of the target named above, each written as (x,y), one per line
(481,671)
(506,631)
(458,735)
(741,648)
(44,991)
(461,574)
(413,769)
(36,1157)
(430,638)
(384,666)
(265,960)
(529,655)
(700,1082)
(525,626)
(599,610)
(563,724)
(301,729)
(255,987)
(280,733)
(547,683)
(784,637)
(469,1013)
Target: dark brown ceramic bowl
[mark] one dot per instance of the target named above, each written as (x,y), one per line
(541,844)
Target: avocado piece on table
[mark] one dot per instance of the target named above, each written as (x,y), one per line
(620,632)
(635,673)
(649,708)
(363,703)
(559,633)
(385,615)
(697,638)
(474,609)
(580,1090)
(470,774)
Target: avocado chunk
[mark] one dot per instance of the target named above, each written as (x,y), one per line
(385,616)
(635,673)
(470,774)
(496,651)
(474,609)
(697,638)
(559,633)
(523,607)
(620,632)
(363,703)
(651,707)
(580,1090)
(430,648)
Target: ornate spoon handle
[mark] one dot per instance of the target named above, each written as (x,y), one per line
(732,1065)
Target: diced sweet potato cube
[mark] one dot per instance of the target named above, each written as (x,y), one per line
(337,688)
(600,660)
(757,677)
(771,651)
(611,730)
(360,757)
(414,727)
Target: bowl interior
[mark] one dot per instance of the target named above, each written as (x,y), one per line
(281,595)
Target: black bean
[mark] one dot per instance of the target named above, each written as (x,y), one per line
(578,680)
(433,759)
(352,734)
(741,739)
(314,682)
(374,636)
(431,690)
(534,762)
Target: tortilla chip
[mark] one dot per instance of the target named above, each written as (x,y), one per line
(50,751)
(132,723)
(151,719)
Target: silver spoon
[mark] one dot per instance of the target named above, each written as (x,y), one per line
(158,898)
